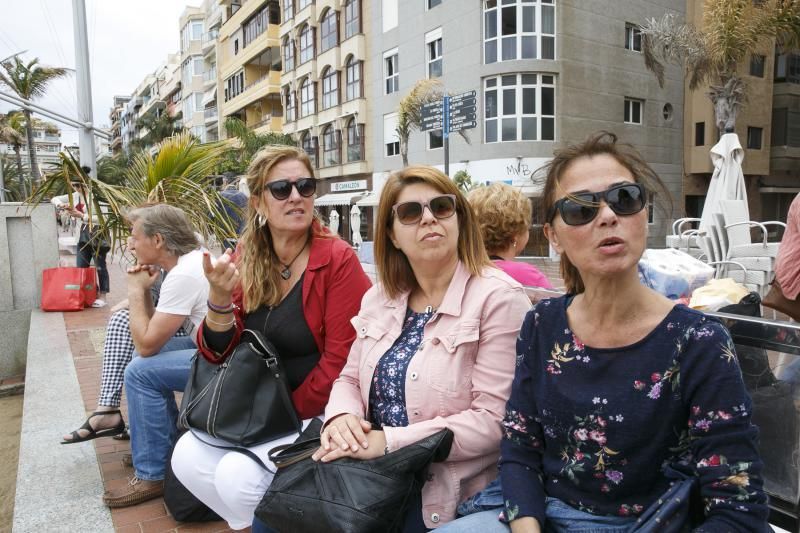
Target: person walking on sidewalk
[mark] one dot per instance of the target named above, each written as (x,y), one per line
(161,238)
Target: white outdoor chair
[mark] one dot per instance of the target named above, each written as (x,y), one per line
(763,262)
(737,228)
(685,240)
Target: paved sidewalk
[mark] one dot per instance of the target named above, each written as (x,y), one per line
(86,333)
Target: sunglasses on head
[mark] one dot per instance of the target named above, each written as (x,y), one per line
(582,207)
(282,189)
(408,213)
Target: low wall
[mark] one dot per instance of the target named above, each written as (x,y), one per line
(28,245)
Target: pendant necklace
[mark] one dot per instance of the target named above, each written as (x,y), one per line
(286,273)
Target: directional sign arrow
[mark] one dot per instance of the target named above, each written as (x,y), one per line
(457,97)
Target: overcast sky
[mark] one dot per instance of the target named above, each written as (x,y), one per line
(127,40)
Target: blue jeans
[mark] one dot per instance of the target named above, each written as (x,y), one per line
(560,518)
(150,384)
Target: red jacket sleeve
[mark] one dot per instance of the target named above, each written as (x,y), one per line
(346,285)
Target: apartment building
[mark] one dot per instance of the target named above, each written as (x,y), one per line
(116,115)
(545,73)
(192,28)
(213,20)
(326,64)
(783,183)
(47,143)
(248,65)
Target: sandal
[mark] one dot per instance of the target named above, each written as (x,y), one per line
(107,432)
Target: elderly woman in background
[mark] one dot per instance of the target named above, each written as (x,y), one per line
(504,217)
(614,381)
(297,284)
(434,348)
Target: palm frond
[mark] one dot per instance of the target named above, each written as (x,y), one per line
(669,41)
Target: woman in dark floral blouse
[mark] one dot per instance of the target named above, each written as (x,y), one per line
(613,381)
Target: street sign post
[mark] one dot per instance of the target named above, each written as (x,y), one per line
(452,114)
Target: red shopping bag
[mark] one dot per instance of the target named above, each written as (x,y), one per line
(68,288)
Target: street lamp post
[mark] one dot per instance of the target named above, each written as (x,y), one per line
(2,180)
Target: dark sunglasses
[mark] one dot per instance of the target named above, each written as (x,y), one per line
(581,208)
(408,213)
(282,189)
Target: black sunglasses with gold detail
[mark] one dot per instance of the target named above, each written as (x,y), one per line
(581,208)
(282,189)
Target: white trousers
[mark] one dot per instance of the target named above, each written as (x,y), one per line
(229,482)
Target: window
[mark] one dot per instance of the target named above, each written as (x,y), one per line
(258,23)
(234,85)
(787,68)
(197,66)
(633,111)
(352,18)
(302,4)
(754,138)
(785,127)
(700,134)
(433,43)
(352,79)
(518,29)
(633,37)
(288,9)
(198,101)
(290,104)
(757,65)
(200,133)
(197,30)
(389,14)
(306,44)
(330,146)
(390,139)
(355,141)
(329,30)
(519,107)
(310,147)
(430,4)
(435,139)
(307,103)
(330,88)
(390,71)
(288,54)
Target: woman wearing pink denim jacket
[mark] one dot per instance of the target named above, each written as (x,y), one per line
(435,345)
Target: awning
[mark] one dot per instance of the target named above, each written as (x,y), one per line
(210,95)
(370,200)
(337,198)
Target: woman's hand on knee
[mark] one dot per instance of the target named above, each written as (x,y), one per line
(346,432)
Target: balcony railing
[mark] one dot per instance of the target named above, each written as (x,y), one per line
(210,112)
(210,37)
(210,75)
(256,82)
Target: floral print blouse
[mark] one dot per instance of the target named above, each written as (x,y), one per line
(387,396)
(593,427)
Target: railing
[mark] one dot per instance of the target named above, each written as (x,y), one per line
(210,112)
(210,37)
(256,82)
(210,75)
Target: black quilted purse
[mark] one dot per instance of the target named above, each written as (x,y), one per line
(245,400)
(346,495)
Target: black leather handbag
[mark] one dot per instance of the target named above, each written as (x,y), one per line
(346,495)
(245,400)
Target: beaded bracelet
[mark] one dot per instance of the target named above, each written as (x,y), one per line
(222,324)
(220,309)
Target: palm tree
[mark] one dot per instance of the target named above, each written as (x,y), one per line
(409,114)
(13,182)
(250,143)
(12,132)
(158,127)
(28,81)
(179,174)
(731,30)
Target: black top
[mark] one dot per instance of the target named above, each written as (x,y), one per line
(286,328)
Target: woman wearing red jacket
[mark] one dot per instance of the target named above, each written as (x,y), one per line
(300,286)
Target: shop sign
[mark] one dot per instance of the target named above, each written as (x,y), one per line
(347,186)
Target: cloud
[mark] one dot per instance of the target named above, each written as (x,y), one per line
(127,40)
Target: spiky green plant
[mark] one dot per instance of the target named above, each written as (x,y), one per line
(178,172)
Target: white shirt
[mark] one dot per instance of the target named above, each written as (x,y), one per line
(185,291)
